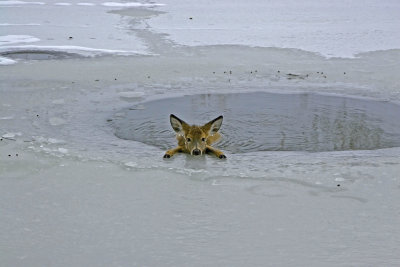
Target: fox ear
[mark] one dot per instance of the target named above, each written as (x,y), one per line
(213,126)
(177,124)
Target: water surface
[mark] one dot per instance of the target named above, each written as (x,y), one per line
(270,122)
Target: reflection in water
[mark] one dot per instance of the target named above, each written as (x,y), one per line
(270,122)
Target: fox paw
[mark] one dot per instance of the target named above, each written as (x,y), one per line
(167,156)
(222,156)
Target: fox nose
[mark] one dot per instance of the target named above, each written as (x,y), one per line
(196,152)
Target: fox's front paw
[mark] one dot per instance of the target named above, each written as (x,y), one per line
(222,156)
(167,156)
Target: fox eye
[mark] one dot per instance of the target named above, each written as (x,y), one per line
(188,139)
(203,139)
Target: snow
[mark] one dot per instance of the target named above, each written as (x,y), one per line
(132,95)
(27,24)
(62,4)
(91,29)
(7,118)
(63,150)
(332,28)
(85,4)
(84,51)
(11,135)
(7,3)
(56,121)
(70,186)
(15,39)
(58,101)
(131,4)
(108,4)
(6,61)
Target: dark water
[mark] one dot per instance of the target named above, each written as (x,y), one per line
(39,55)
(270,122)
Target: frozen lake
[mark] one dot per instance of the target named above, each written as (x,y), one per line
(310,98)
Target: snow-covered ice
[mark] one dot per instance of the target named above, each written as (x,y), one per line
(332,28)
(11,3)
(6,61)
(130,4)
(15,39)
(93,30)
(71,184)
(62,4)
(86,4)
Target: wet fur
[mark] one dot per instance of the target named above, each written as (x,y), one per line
(208,131)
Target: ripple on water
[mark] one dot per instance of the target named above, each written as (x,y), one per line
(270,122)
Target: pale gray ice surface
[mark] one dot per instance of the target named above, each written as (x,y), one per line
(332,28)
(74,194)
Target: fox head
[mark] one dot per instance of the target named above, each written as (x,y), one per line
(196,138)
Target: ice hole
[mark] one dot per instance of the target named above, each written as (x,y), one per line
(269,122)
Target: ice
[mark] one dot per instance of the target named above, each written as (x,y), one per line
(58,101)
(62,4)
(78,189)
(109,4)
(131,4)
(56,121)
(7,118)
(15,39)
(9,135)
(6,61)
(63,150)
(55,141)
(131,164)
(85,51)
(331,28)
(10,3)
(131,95)
(86,4)
(81,35)
(13,24)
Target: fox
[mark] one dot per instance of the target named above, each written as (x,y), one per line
(196,140)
